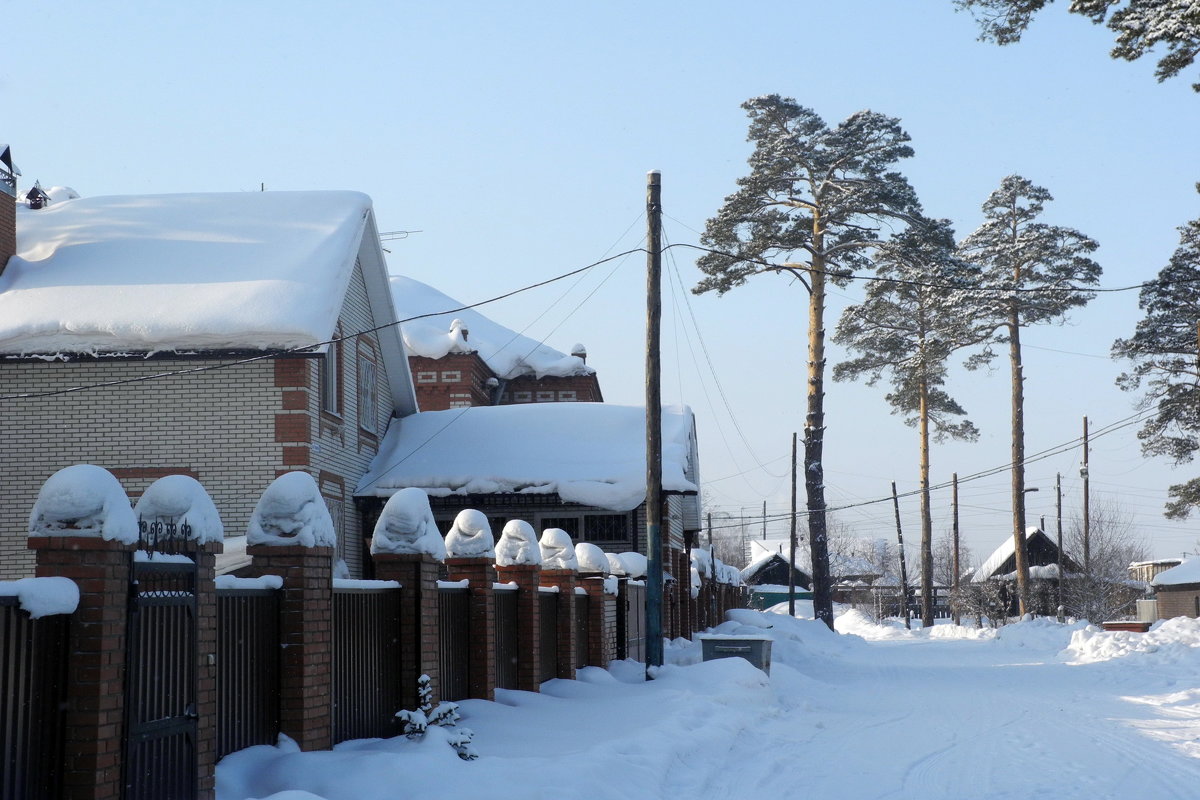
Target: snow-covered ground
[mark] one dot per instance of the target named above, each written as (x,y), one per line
(1035,710)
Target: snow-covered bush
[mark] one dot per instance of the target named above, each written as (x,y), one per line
(181,499)
(443,715)
(470,536)
(83,500)
(557,550)
(518,545)
(292,512)
(406,526)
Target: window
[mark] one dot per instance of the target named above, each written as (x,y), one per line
(368,395)
(331,376)
(568,524)
(606,528)
(522,397)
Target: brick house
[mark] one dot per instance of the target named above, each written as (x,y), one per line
(199,329)
(1177,590)
(462,358)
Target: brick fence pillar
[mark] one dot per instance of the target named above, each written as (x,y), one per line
(528,578)
(566,580)
(419,624)
(206,668)
(94,725)
(601,621)
(481,666)
(306,633)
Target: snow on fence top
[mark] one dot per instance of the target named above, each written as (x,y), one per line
(83,500)
(470,536)
(252,270)
(589,453)
(591,558)
(180,499)
(634,564)
(557,551)
(506,352)
(41,597)
(1186,572)
(518,545)
(292,512)
(406,526)
(615,567)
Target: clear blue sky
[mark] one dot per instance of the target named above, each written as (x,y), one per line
(516,138)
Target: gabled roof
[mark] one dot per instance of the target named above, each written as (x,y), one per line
(193,273)
(995,563)
(507,353)
(588,453)
(1186,572)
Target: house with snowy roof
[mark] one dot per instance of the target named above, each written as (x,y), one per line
(580,467)
(1042,556)
(462,358)
(229,337)
(1177,590)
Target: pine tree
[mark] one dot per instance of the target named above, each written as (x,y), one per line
(1037,272)
(1163,350)
(1140,26)
(816,197)
(908,326)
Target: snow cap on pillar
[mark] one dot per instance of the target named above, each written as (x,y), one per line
(470,536)
(557,550)
(83,500)
(518,545)
(291,511)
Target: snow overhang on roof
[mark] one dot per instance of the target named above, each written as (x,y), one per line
(507,353)
(588,453)
(1187,572)
(180,273)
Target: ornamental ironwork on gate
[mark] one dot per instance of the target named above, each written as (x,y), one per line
(160,675)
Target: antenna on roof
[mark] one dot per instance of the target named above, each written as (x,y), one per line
(388,236)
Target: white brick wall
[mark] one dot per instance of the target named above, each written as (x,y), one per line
(219,424)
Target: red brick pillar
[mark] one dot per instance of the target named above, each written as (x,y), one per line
(529,640)
(566,580)
(94,726)
(601,617)
(306,631)
(481,668)
(206,668)
(419,632)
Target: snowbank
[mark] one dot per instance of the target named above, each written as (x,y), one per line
(406,526)
(557,550)
(42,597)
(470,536)
(292,512)
(518,545)
(181,499)
(1170,640)
(83,500)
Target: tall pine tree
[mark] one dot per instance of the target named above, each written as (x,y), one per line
(817,198)
(1037,273)
(1166,363)
(907,327)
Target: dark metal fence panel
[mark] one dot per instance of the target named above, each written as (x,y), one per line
(506,639)
(366,663)
(548,621)
(33,661)
(247,668)
(635,621)
(582,629)
(454,616)
(160,683)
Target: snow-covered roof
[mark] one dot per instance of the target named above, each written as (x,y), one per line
(506,352)
(589,453)
(1002,554)
(185,272)
(1187,572)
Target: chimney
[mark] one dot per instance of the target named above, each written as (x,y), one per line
(8,207)
(580,352)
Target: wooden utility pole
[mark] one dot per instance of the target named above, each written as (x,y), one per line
(957,566)
(1018,448)
(654,539)
(792,539)
(1058,523)
(903,567)
(1087,517)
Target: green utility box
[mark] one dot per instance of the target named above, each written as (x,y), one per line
(755,649)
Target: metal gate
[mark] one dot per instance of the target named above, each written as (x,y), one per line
(160,674)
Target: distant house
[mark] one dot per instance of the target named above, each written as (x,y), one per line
(1043,558)
(575,466)
(462,358)
(1147,571)
(213,335)
(769,566)
(1178,590)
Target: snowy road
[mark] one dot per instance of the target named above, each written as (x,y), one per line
(1030,713)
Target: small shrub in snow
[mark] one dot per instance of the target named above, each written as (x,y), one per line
(443,715)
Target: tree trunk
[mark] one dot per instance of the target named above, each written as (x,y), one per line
(1018,452)
(926,516)
(814,437)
